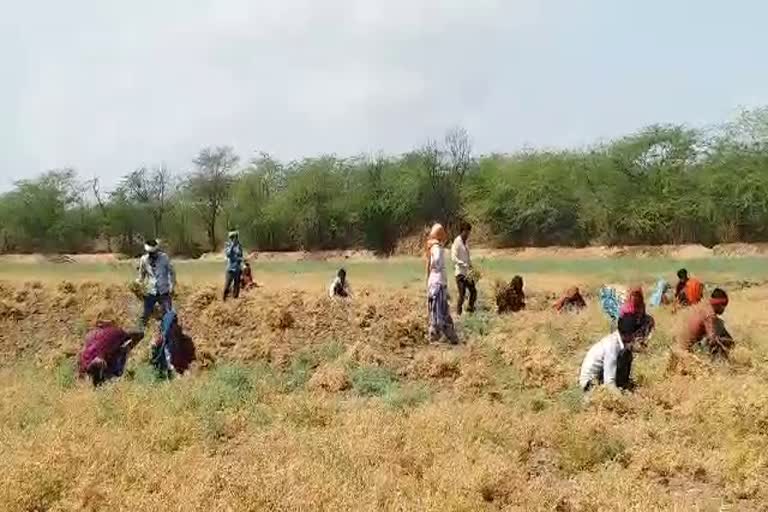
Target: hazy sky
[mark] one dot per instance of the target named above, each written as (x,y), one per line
(106,86)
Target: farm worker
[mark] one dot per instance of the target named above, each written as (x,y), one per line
(440,321)
(635,306)
(172,350)
(234,253)
(246,278)
(462,266)
(705,326)
(611,298)
(510,297)
(659,296)
(689,290)
(570,301)
(105,352)
(609,361)
(157,279)
(340,286)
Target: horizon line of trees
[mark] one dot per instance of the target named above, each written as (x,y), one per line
(665,184)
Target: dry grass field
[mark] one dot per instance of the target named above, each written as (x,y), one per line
(303,403)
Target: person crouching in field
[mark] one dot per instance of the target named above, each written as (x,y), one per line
(510,297)
(234,254)
(660,297)
(704,326)
(463,265)
(156,280)
(440,321)
(609,361)
(172,350)
(635,306)
(246,278)
(689,290)
(571,301)
(105,352)
(340,286)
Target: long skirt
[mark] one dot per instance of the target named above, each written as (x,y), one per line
(440,321)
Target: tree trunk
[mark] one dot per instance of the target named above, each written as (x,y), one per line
(212,233)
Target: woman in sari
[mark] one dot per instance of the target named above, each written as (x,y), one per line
(635,306)
(440,321)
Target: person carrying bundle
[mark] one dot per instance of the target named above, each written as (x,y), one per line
(156,281)
(463,265)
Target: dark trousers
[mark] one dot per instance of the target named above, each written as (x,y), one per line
(464,284)
(232,282)
(623,372)
(149,306)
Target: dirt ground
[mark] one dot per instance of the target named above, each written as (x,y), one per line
(413,248)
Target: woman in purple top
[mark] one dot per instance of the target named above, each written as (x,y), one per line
(106,351)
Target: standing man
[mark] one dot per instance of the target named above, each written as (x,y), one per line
(462,265)
(157,279)
(234,253)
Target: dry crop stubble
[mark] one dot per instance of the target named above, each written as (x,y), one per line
(347,407)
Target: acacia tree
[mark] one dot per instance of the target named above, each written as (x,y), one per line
(151,189)
(210,183)
(445,168)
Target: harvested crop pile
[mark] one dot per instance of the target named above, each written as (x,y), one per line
(345,406)
(259,326)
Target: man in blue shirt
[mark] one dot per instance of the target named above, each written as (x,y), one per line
(157,279)
(234,254)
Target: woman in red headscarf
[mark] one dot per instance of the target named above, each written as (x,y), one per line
(635,306)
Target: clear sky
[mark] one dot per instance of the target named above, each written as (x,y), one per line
(106,86)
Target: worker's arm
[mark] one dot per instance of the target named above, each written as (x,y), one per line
(171,275)
(142,272)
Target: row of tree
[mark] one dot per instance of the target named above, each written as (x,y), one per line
(663,184)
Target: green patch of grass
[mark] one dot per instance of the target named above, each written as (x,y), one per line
(479,323)
(228,387)
(373,381)
(142,374)
(582,451)
(330,351)
(300,370)
(64,374)
(572,398)
(305,361)
(407,396)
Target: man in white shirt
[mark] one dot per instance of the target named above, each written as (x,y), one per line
(609,361)
(462,265)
